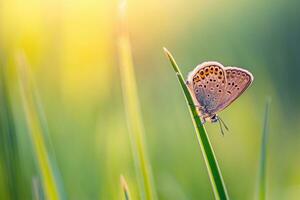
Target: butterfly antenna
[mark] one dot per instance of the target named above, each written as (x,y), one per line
(221,127)
(221,121)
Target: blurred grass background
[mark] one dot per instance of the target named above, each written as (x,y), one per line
(71,49)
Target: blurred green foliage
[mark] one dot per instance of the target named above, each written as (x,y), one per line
(71,48)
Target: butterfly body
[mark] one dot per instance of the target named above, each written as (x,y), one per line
(214,87)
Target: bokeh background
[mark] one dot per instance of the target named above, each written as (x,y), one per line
(71,48)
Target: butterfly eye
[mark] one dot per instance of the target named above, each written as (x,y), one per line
(216,69)
(220,73)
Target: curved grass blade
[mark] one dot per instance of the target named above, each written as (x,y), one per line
(125,188)
(132,108)
(52,186)
(261,189)
(212,166)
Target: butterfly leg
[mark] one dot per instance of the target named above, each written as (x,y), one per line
(202,120)
(200,111)
(198,107)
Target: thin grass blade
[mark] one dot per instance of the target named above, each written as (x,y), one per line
(214,172)
(9,152)
(132,108)
(125,188)
(52,186)
(37,192)
(261,189)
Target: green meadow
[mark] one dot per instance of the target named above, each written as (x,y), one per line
(94,105)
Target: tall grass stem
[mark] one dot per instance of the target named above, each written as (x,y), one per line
(132,108)
(125,188)
(52,187)
(261,189)
(9,150)
(212,166)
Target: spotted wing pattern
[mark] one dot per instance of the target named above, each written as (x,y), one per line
(208,83)
(237,81)
(215,87)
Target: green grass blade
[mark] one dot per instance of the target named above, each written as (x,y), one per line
(134,119)
(37,192)
(261,191)
(125,188)
(36,131)
(9,152)
(212,166)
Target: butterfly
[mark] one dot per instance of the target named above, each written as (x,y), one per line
(214,87)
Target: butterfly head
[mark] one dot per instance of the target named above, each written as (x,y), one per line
(214,118)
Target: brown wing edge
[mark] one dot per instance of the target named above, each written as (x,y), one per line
(244,89)
(200,66)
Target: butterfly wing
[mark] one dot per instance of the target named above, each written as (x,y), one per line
(237,81)
(207,83)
